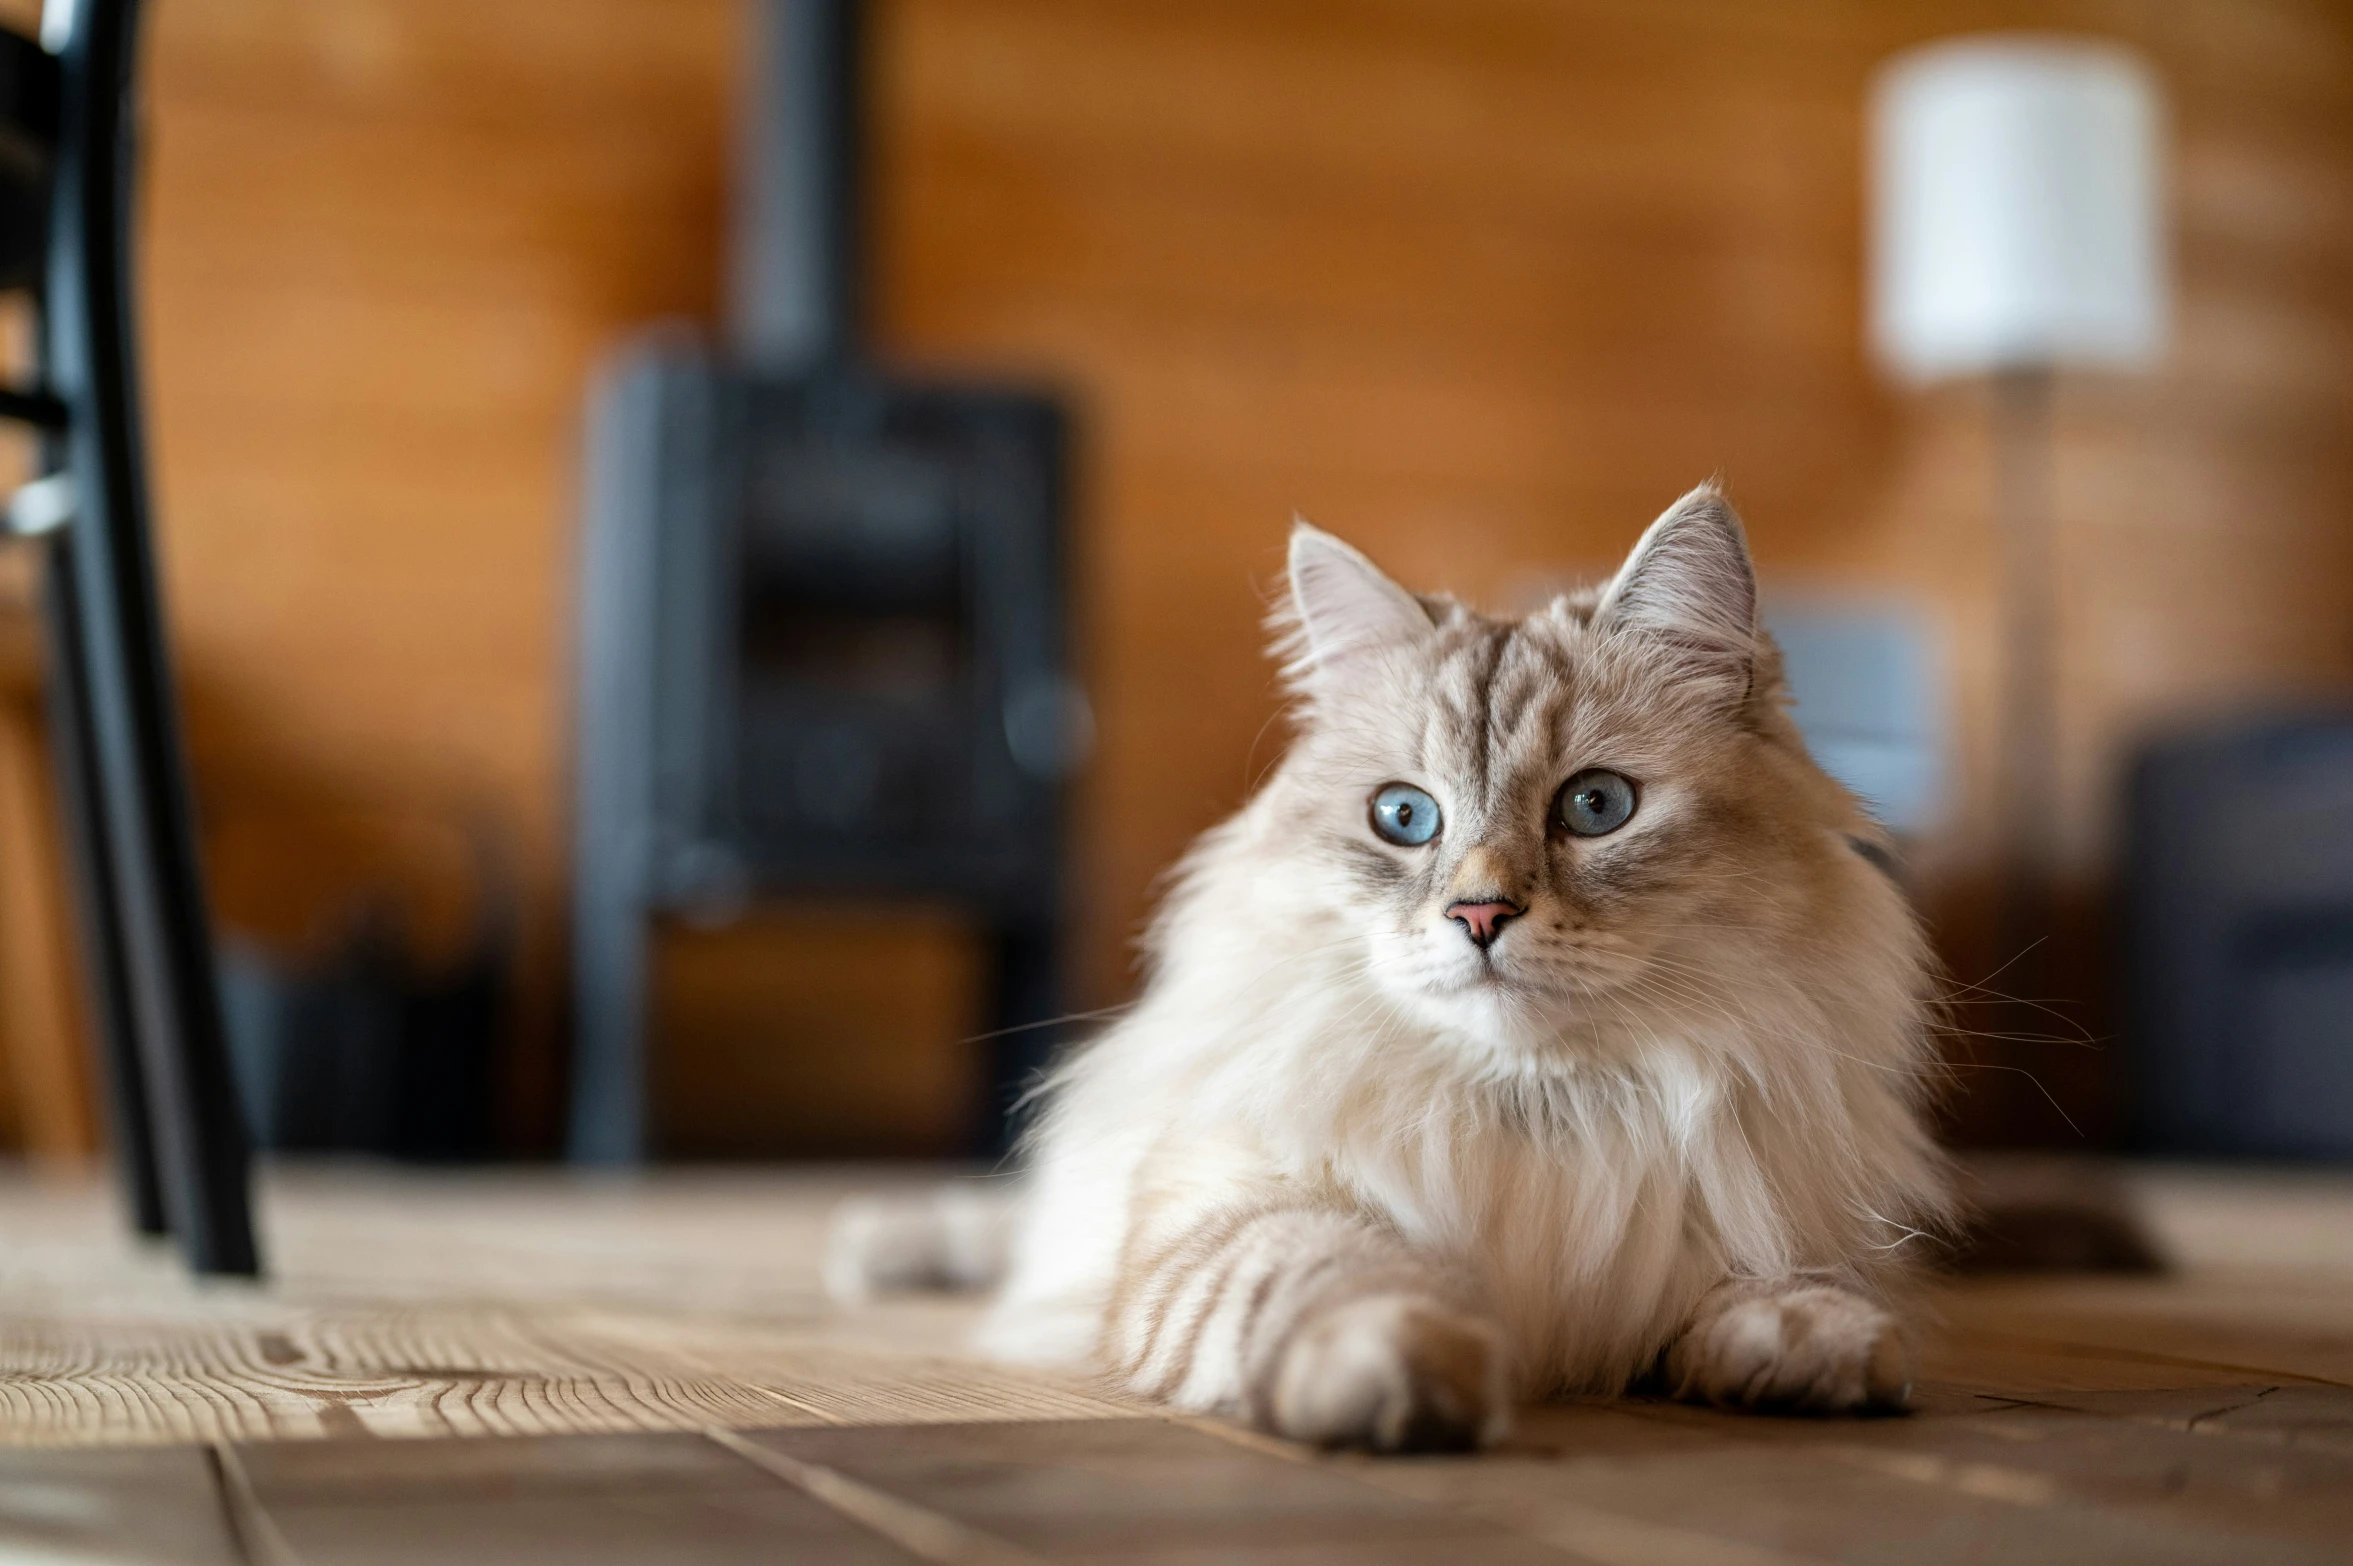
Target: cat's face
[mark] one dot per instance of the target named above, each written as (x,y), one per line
(1536,825)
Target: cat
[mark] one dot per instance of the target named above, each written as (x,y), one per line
(1543,1025)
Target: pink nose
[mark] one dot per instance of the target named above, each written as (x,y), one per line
(1483,921)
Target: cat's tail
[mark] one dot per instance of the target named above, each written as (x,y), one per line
(952,1238)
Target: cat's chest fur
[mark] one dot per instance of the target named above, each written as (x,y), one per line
(1578,1208)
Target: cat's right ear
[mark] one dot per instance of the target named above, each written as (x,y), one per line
(1342,606)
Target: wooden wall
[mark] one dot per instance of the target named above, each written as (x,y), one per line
(387,242)
(1482,286)
(1479,285)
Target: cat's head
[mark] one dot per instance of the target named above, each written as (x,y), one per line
(1533,826)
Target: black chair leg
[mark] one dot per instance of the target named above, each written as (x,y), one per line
(108,981)
(162,951)
(123,677)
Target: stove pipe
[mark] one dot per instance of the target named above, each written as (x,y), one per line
(793,293)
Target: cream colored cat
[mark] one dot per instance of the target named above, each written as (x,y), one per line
(1540,1026)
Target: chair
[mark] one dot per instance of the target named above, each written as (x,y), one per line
(2238,939)
(67,150)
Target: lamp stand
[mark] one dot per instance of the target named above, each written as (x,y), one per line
(2027,804)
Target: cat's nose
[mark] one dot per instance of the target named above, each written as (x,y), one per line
(1482,922)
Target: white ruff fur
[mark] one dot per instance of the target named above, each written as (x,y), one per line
(1687,1076)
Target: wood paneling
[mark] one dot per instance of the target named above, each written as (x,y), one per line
(1480,286)
(841,1034)
(46,1069)
(386,242)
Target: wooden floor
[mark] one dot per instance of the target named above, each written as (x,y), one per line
(663,1381)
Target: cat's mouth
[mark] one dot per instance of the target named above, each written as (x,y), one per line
(1543,985)
(1501,978)
(1486,976)
(1549,982)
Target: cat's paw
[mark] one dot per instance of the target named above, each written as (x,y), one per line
(1392,1373)
(1809,1348)
(951,1238)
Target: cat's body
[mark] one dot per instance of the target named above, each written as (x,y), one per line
(1402,1130)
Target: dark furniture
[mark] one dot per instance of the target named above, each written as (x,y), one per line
(67,143)
(2238,921)
(822,630)
(821,657)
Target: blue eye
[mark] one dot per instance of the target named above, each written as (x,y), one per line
(1405,815)
(1596,802)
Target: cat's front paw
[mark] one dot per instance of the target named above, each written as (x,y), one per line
(1809,1348)
(1391,1373)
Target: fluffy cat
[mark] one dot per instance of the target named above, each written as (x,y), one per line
(1543,1024)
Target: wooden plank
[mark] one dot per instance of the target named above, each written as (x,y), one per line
(448,1372)
(517,1302)
(474,1371)
(477,1306)
(2318,1415)
(2291,1329)
(2287,1415)
(864,1389)
(2137,1461)
(1146,1490)
(558,1499)
(2009,1365)
(2293,1498)
(926,1533)
(156,1506)
(1814,1499)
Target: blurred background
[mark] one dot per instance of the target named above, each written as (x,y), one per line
(1480,286)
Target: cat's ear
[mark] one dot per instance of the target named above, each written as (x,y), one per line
(1689,583)
(1341,605)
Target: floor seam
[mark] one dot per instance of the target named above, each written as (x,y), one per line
(257,1535)
(932,1536)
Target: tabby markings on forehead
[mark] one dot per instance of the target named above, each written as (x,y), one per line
(1525,670)
(1487,691)
(1470,724)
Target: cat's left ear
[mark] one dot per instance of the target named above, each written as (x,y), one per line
(1342,605)
(1689,583)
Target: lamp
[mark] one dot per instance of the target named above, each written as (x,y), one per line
(2016,197)
(2018,230)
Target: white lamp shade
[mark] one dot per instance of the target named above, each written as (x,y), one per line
(2017,208)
